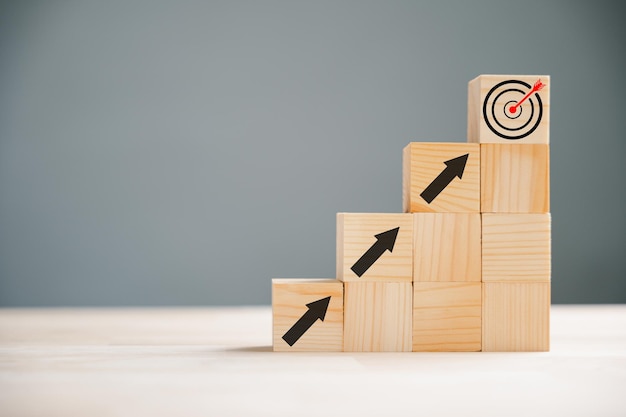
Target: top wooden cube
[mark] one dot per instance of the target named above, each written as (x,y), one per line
(509,109)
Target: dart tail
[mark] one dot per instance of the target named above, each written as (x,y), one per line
(538,85)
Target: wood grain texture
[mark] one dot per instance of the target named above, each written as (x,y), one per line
(423,162)
(516,247)
(446,316)
(289,300)
(477,129)
(515,178)
(377,316)
(474,110)
(516,316)
(447,247)
(356,234)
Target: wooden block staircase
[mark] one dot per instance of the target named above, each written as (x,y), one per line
(466,267)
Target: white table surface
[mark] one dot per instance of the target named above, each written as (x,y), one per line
(218,362)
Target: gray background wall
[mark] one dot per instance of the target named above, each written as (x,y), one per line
(184,153)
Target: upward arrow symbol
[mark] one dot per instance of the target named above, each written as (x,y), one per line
(316,310)
(454,168)
(384,241)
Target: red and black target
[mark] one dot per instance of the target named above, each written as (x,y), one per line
(504,113)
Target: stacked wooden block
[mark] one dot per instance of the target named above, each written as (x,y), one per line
(466,267)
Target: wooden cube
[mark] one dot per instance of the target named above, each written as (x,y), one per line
(374,247)
(509,109)
(515,178)
(446,316)
(377,316)
(516,247)
(441,177)
(446,247)
(307,314)
(516,316)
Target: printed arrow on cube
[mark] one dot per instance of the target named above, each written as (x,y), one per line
(316,310)
(384,242)
(454,168)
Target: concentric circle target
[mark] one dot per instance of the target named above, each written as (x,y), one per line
(505,117)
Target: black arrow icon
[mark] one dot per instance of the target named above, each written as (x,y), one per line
(454,168)
(384,241)
(317,310)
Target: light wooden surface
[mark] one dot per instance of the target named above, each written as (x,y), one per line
(515,178)
(516,247)
(356,234)
(289,303)
(446,316)
(377,316)
(218,362)
(479,87)
(423,162)
(447,247)
(516,316)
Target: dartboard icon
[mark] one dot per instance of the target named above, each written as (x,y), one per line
(512,109)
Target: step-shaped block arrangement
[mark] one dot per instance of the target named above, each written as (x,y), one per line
(466,267)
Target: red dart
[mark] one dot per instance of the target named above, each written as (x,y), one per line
(538,86)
